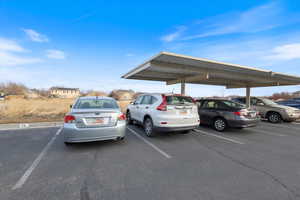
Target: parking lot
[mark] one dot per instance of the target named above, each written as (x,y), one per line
(255,163)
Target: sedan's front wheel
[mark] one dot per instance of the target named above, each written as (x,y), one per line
(274,117)
(148,127)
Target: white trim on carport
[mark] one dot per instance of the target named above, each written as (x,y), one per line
(174,68)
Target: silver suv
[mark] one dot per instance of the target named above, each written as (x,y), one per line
(163,112)
(272,111)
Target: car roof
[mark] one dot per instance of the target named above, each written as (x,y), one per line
(96,97)
(213,99)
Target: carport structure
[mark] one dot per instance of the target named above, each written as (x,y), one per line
(174,68)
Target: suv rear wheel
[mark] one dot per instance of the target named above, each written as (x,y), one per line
(274,117)
(148,127)
(219,124)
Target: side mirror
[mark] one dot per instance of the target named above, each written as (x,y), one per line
(71,106)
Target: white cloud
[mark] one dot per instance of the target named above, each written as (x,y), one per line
(10,59)
(257,19)
(285,52)
(10,45)
(10,54)
(129,54)
(172,36)
(55,54)
(35,36)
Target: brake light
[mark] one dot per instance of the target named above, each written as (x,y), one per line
(237,113)
(69,119)
(122,117)
(240,113)
(163,105)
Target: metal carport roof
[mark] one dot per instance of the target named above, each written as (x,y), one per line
(174,68)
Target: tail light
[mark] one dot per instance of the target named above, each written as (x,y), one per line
(194,101)
(122,117)
(163,105)
(69,119)
(240,113)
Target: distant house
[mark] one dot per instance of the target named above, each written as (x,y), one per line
(62,92)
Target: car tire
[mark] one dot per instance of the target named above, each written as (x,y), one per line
(128,118)
(274,117)
(219,124)
(148,127)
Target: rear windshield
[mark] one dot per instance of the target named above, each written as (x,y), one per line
(174,100)
(233,104)
(96,104)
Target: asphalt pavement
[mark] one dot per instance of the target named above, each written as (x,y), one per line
(256,163)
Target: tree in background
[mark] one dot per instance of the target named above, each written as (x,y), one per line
(12,88)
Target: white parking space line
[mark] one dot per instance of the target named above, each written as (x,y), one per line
(218,136)
(268,133)
(24,128)
(150,144)
(35,163)
(284,126)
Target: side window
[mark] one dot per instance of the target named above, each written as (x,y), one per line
(199,103)
(242,100)
(253,101)
(138,100)
(221,105)
(209,104)
(260,102)
(146,100)
(153,100)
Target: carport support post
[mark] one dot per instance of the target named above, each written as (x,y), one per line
(182,87)
(248,97)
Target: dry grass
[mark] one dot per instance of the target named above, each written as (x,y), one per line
(33,110)
(37,110)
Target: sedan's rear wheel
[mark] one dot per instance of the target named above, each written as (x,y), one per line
(274,117)
(219,124)
(148,127)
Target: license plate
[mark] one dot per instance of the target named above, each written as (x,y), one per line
(96,121)
(183,112)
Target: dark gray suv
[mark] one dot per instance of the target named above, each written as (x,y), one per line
(220,114)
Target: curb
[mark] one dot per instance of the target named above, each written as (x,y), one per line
(30,125)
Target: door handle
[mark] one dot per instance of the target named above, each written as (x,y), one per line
(147,107)
(137,107)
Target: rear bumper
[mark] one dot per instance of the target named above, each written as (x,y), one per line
(171,129)
(73,134)
(243,123)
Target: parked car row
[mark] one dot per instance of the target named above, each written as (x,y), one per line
(100,118)
(272,111)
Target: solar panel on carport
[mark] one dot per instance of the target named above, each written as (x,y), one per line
(174,68)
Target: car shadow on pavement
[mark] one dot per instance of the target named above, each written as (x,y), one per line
(161,135)
(94,145)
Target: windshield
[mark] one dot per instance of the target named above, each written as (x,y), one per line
(234,104)
(268,102)
(96,104)
(173,100)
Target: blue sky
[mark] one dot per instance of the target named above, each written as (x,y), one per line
(90,45)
